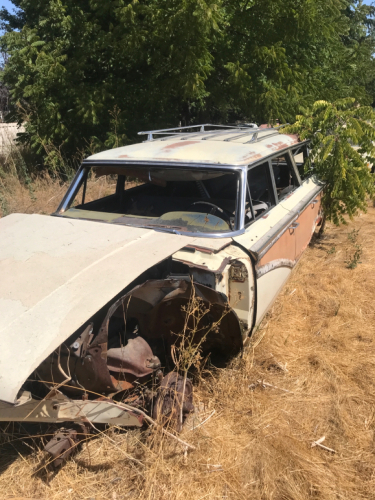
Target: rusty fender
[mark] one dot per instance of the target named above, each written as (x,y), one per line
(157,306)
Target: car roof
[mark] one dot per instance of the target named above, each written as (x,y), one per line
(234,146)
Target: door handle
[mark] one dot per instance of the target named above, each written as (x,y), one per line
(294,225)
(314,202)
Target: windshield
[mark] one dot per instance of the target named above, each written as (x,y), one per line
(175,199)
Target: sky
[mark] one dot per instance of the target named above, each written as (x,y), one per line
(8,4)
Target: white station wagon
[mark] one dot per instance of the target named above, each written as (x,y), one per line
(91,298)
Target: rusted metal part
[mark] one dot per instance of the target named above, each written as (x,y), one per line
(219,270)
(89,373)
(167,409)
(98,370)
(64,444)
(135,358)
(157,306)
(272,265)
(60,409)
(80,345)
(121,385)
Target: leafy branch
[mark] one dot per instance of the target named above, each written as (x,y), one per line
(342,154)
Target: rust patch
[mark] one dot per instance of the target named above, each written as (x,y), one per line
(201,249)
(174,396)
(180,144)
(277,146)
(64,443)
(252,156)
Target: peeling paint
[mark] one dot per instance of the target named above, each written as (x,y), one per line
(180,144)
(206,150)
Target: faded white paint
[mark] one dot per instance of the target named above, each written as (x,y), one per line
(55,273)
(268,288)
(264,224)
(205,148)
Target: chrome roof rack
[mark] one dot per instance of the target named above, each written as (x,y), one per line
(218,130)
(178,130)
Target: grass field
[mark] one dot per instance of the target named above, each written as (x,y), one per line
(316,352)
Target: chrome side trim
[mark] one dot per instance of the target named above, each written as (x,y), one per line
(161,163)
(241,201)
(261,247)
(72,190)
(275,264)
(229,234)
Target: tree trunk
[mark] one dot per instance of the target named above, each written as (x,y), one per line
(322,226)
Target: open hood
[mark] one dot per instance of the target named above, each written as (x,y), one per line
(55,273)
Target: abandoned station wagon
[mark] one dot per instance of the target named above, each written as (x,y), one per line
(92,298)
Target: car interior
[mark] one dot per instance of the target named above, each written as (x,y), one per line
(155,193)
(260,188)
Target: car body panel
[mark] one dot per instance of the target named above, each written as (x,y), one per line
(198,150)
(55,274)
(58,408)
(228,271)
(58,274)
(278,239)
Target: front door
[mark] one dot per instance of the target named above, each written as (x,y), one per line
(281,219)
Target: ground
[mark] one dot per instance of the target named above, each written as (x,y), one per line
(309,372)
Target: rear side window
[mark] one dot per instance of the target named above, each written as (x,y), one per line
(260,193)
(286,178)
(300,155)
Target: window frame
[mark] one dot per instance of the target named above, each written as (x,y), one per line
(240,173)
(272,187)
(271,179)
(295,173)
(304,149)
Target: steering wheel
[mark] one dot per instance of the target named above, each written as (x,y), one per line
(227,216)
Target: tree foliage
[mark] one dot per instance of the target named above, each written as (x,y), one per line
(342,153)
(77,68)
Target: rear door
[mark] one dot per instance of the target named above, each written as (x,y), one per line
(309,212)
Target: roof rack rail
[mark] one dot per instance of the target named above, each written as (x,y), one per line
(177,130)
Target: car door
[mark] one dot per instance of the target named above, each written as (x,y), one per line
(270,231)
(310,207)
(281,214)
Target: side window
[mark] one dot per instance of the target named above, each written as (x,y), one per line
(286,178)
(260,193)
(300,155)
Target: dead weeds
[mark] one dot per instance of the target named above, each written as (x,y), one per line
(44,194)
(309,373)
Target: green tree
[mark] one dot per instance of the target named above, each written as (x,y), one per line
(162,62)
(341,136)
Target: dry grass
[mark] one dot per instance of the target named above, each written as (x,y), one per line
(319,343)
(42,197)
(44,194)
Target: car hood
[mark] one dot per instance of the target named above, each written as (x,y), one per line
(55,273)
